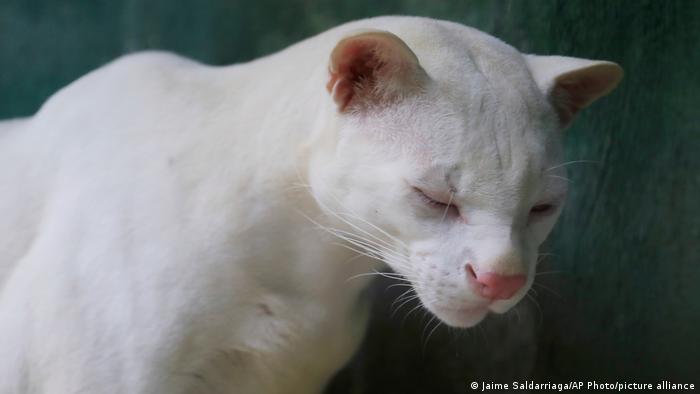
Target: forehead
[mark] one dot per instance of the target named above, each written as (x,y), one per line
(483,101)
(484,139)
(486,127)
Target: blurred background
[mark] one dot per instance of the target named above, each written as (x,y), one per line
(619,294)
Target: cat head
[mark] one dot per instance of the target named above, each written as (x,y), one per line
(449,168)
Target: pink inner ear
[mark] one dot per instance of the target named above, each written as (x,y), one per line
(576,90)
(371,68)
(566,104)
(356,69)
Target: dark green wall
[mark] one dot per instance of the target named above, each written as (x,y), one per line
(625,302)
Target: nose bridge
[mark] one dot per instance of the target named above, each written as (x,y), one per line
(497,271)
(501,252)
(508,263)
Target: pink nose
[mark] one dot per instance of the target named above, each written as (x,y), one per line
(496,286)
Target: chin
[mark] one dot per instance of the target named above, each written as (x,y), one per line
(501,307)
(459,317)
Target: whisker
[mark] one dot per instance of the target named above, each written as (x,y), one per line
(447,207)
(360,252)
(538,307)
(355,216)
(562,178)
(369,245)
(372,253)
(299,186)
(374,238)
(367,241)
(542,256)
(431,333)
(404,294)
(378,229)
(517,313)
(415,308)
(388,275)
(383,254)
(432,318)
(400,285)
(336,215)
(549,273)
(353,258)
(548,289)
(572,162)
(405,297)
(374,257)
(374,273)
(404,302)
(339,216)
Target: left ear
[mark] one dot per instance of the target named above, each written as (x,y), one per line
(372,68)
(571,84)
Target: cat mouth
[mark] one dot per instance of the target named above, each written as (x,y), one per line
(462,317)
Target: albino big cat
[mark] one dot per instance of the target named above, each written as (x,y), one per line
(173,227)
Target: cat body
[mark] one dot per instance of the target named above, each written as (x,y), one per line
(173,227)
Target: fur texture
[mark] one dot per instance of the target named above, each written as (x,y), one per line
(172,227)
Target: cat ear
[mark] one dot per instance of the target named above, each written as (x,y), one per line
(571,84)
(372,68)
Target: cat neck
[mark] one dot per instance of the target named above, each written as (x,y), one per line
(285,137)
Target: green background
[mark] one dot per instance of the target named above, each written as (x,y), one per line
(624,302)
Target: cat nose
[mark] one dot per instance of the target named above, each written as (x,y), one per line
(495,286)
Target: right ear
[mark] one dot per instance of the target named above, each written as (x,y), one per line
(372,69)
(572,84)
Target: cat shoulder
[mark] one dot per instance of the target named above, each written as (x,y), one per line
(127,76)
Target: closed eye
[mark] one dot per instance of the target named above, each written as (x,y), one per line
(542,209)
(434,202)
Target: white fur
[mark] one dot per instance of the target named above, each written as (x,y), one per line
(168,227)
